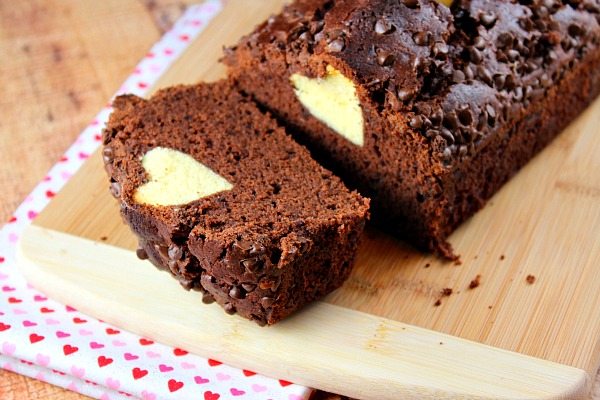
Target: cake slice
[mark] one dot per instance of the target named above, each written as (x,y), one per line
(426,109)
(224,200)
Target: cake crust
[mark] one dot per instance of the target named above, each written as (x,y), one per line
(455,100)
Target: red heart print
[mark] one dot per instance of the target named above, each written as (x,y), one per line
(4,327)
(184,38)
(12,219)
(96,345)
(284,383)
(248,373)
(138,373)
(179,352)
(237,392)
(8,289)
(78,320)
(214,363)
(61,334)
(32,214)
(104,361)
(34,338)
(142,85)
(200,380)
(146,342)
(14,300)
(28,323)
(37,297)
(50,194)
(97,137)
(68,349)
(211,396)
(112,331)
(175,385)
(82,155)
(46,310)
(63,159)
(69,309)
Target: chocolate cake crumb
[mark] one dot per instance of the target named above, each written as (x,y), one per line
(502,257)
(427,265)
(104,238)
(280,232)
(489,307)
(446,292)
(475,282)
(530,279)
(437,303)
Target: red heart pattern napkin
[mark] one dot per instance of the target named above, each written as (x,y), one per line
(55,343)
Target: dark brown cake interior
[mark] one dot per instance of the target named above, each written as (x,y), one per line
(281,205)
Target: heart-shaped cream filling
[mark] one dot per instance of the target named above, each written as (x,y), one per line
(176,178)
(332,100)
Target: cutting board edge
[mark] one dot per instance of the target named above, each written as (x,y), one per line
(386,378)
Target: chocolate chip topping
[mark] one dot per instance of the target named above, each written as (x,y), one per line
(504,45)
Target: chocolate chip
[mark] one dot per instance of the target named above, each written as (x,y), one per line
(115,189)
(107,154)
(499,81)
(488,19)
(335,46)
(385,58)
(504,40)
(229,308)
(491,111)
(458,76)
(447,135)
(237,292)
(431,133)
(440,50)
(405,94)
(249,287)
(383,27)
(175,253)
(437,117)
(575,30)
(141,253)
(422,38)
(485,75)
(267,302)
(450,120)
(416,122)
(465,116)
(207,298)
(479,43)
(469,72)
(475,55)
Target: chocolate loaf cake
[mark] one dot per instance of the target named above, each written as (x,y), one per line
(425,108)
(225,201)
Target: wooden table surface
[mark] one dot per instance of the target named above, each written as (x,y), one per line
(61,61)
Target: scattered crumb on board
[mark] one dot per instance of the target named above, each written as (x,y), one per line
(530,279)
(475,282)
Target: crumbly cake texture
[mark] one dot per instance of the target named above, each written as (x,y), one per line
(278,230)
(455,100)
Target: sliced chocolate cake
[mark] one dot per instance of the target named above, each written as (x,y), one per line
(222,198)
(425,108)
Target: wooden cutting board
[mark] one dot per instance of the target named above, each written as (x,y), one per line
(381,335)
